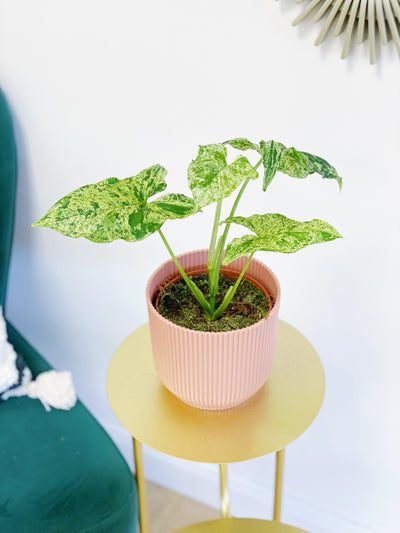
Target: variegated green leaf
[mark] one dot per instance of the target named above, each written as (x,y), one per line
(276,157)
(117,209)
(322,167)
(212,179)
(293,163)
(173,205)
(277,233)
(301,164)
(243,144)
(271,152)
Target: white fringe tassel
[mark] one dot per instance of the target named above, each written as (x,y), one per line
(52,388)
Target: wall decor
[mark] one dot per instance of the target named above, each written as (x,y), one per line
(378,20)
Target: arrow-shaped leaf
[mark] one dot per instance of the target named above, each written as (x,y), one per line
(171,206)
(293,163)
(117,209)
(243,144)
(276,157)
(271,152)
(212,179)
(277,233)
(322,167)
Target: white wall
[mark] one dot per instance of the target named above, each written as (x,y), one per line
(101,89)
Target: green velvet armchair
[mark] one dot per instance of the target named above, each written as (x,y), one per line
(59,471)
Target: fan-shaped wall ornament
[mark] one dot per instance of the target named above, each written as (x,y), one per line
(378,19)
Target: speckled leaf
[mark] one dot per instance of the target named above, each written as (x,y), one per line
(243,144)
(211,178)
(322,167)
(171,206)
(293,163)
(276,157)
(277,233)
(301,164)
(117,209)
(271,152)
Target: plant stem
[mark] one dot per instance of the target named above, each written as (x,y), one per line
(211,254)
(192,286)
(214,278)
(231,291)
(215,228)
(222,240)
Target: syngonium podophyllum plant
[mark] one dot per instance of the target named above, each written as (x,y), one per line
(121,209)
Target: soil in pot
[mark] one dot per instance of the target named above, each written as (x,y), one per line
(249,304)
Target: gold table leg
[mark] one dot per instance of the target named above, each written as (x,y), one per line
(224,491)
(144,525)
(280,456)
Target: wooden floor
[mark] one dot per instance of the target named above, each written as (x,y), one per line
(169,511)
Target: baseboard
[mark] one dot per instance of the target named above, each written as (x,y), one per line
(201,482)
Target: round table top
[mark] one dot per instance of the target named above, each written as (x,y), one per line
(240,525)
(275,416)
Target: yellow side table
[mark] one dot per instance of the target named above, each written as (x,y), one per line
(275,416)
(240,525)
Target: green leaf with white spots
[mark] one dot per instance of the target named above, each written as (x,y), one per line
(211,178)
(271,152)
(243,144)
(117,209)
(171,206)
(145,184)
(276,157)
(301,164)
(293,163)
(277,233)
(322,167)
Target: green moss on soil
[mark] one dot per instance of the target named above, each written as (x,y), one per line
(248,306)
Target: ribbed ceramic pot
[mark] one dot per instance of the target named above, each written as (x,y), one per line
(212,370)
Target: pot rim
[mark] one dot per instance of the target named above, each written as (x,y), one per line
(151,307)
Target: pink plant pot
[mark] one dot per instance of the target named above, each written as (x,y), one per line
(213,370)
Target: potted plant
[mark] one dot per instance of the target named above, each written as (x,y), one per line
(207,349)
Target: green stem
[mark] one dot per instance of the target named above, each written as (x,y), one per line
(222,239)
(214,280)
(192,286)
(231,291)
(214,231)
(211,253)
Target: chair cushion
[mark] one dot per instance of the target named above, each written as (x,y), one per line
(60,472)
